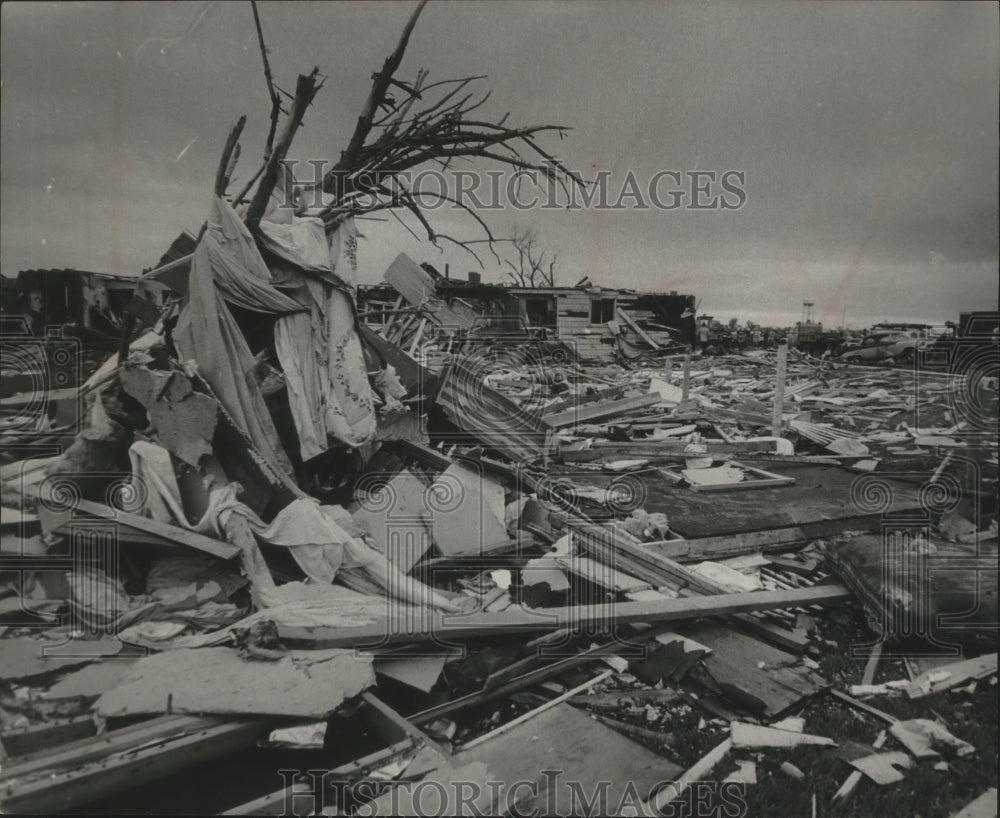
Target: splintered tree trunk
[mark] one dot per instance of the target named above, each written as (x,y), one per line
(305,90)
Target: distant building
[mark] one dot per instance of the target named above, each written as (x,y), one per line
(85,300)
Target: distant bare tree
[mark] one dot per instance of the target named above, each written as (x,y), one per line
(533,267)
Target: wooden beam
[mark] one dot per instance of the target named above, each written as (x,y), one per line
(569,694)
(401,722)
(583,414)
(101,766)
(536,676)
(620,549)
(681,447)
(730,545)
(630,321)
(779,391)
(425,626)
(164,533)
(25,741)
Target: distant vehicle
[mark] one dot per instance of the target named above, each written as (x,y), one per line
(881,346)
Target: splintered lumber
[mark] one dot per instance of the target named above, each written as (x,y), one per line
(417,287)
(757,735)
(850,700)
(490,416)
(630,321)
(698,772)
(720,448)
(163,533)
(601,574)
(872,664)
(532,677)
(101,766)
(641,734)
(621,549)
(953,675)
(731,545)
(425,625)
(572,761)
(596,411)
(621,699)
(569,694)
(417,379)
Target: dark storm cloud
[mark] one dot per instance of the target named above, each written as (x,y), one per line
(867,132)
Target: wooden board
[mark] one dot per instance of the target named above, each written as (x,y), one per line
(595,411)
(396,520)
(600,762)
(820,497)
(466,509)
(734,665)
(425,625)
(101,766)
(163,533)
(630,321)
(22,658)
(417,287)
(22,741)
(417,379)
(731,545)
(218,680)
(604,576)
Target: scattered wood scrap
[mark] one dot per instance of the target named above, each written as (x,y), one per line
(746,735)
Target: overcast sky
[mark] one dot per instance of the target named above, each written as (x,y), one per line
(867,133)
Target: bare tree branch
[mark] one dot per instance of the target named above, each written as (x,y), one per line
(305,90)
(429,123)
(271,93)
(377,95)
(230,154)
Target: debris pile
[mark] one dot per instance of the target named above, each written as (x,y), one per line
(463,580)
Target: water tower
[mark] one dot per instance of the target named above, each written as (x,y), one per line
(807,312)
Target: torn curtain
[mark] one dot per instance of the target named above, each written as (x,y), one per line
(227,263)
(319,349)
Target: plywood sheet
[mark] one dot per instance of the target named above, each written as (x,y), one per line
(589,757)
(307,684)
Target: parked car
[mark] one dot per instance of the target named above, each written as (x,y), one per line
(881,346)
